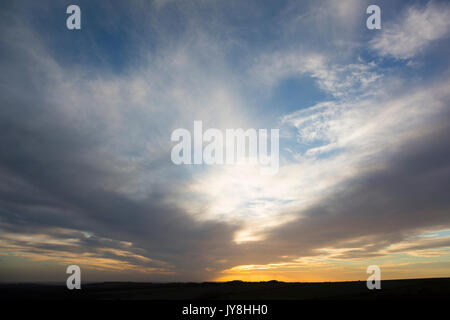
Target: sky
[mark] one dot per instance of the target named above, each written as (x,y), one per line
(86,118)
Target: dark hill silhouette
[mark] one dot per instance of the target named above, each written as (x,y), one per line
(437,288)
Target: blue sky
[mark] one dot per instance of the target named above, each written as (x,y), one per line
(87,117)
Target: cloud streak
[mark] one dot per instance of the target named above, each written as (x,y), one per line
(417,29)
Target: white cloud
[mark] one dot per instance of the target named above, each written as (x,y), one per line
(365,127)
(365,133)
(415,30)
(338,80)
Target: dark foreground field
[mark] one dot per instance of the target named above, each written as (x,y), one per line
(235,290)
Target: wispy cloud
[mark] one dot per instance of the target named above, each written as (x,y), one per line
(416,28)
(338,80)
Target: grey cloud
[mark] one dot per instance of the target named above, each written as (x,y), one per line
(60,171)
(386,206)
